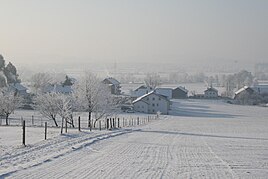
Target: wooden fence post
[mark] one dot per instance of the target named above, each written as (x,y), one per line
(111,124)
(79,124)
(138,122)
(32,120)
(45,130)
(23,132)
(100,124)
(65,125)
(118,123)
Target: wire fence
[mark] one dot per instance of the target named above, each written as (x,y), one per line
(117,121)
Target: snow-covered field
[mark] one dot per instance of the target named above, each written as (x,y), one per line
(200,139)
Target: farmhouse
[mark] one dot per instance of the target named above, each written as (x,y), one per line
(142,90)
(18,88)
(245,91)
(151,103)
(173,93)
(261,89)
(113,84)
(64,89)
(211,93)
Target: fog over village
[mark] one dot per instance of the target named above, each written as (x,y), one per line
(134,89)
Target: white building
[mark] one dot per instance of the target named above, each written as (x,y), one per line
(151,103)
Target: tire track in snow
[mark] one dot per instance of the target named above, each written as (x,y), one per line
(35,156)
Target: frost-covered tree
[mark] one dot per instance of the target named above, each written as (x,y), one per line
(93,96)
(9,101)
(65,107)
(2,62)
(10,72)
(40,81)
(47,105)
(3,80)
(152,80)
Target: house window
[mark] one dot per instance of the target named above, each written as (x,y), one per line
(157,104)
(153,99)
(153,104)
(148,99)
(153,110)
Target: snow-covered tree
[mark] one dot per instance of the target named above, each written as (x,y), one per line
(93,96)
(47,105)
(65,107)
(40,81)
(3,80)
(152,80)
(2,62)
(9,101)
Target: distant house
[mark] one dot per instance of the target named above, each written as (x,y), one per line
(142,90)
(211,93)
(113,84)
(242,92)
(58,88)
(18,88)
(151,103)
(173,93)
(261,89)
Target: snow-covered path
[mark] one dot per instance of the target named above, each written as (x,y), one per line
(222,141)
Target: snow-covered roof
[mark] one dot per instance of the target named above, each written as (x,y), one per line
(211,89)
(148,94)
(245,88)
(173,88)
(183,89)
(17,86)
(144,87)
(58,89)
(112,81)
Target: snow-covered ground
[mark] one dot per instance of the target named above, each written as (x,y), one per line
(200,139)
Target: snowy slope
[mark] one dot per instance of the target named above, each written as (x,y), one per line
(202,139)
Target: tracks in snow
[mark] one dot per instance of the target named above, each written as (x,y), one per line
(49,150)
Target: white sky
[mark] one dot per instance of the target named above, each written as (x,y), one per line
(182,31)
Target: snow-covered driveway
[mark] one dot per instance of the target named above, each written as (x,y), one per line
(206,139)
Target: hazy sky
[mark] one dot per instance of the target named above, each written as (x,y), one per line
(183,31)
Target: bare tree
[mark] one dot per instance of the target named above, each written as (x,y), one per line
(9,101)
